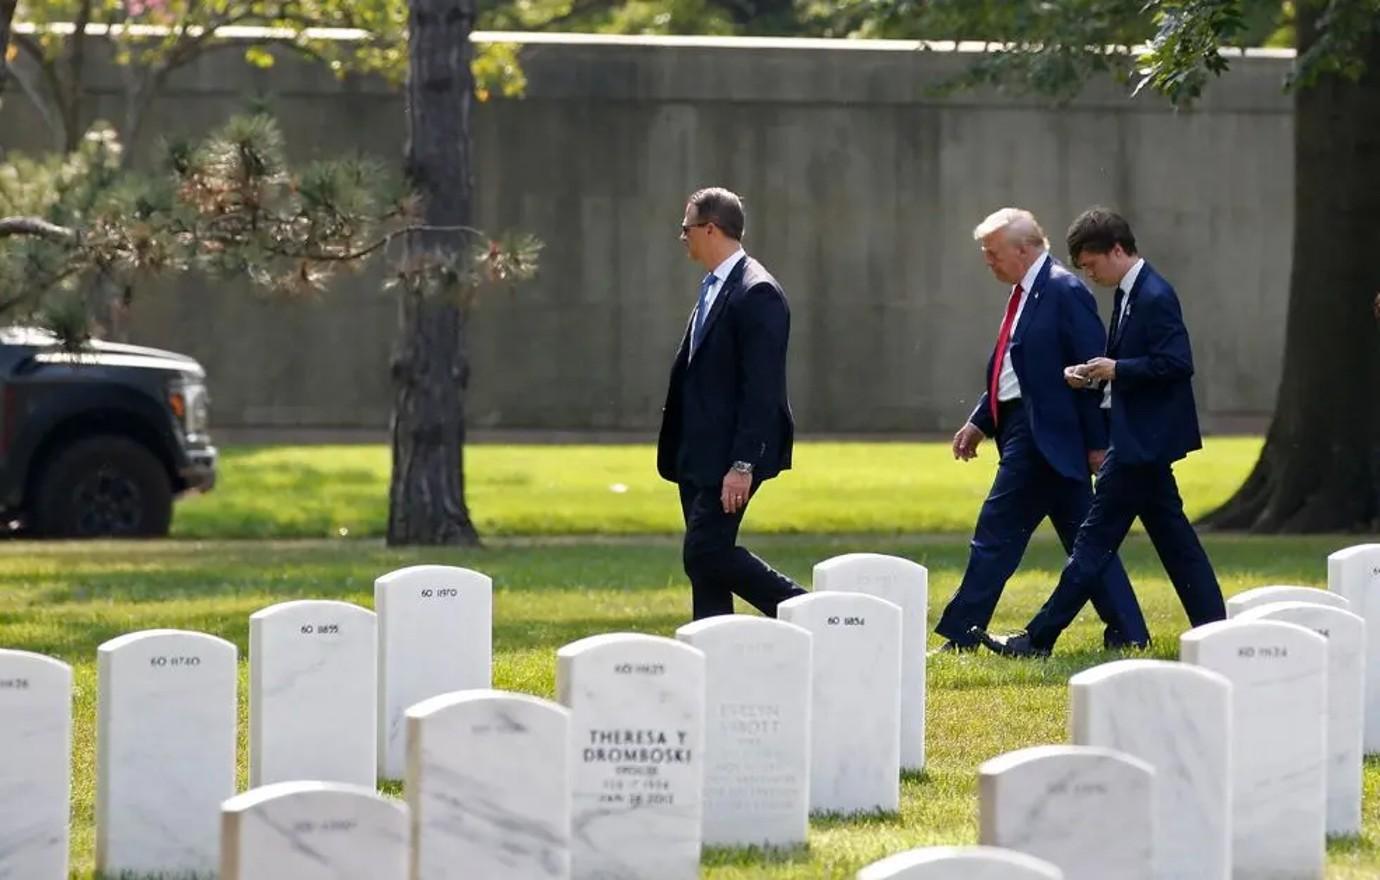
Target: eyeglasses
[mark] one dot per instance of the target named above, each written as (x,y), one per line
(686,227)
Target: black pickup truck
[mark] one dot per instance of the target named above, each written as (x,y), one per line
(98,442)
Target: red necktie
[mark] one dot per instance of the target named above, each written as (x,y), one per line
(1000,354)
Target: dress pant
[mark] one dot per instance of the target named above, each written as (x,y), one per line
(717,566)
(1125,491)
(1025,491)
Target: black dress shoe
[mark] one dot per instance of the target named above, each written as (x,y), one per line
(1015,644)
(952,647)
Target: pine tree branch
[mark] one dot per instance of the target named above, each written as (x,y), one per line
(35,226)
(383,241)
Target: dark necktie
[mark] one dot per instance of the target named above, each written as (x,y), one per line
(1115,326)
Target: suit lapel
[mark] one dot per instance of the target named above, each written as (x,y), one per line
(683,350)
(1032,301)
(1129,310)
(729,287)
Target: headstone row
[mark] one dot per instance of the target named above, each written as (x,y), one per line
(330,686)
(1238,761)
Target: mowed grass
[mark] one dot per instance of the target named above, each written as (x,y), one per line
(65,600)
(891,488)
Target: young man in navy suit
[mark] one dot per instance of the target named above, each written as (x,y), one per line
(727,427)
(1051,437)
(1145,384)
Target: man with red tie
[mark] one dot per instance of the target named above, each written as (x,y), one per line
(1051,437)
(1146,389)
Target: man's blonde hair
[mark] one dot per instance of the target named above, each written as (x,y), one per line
(1020,225)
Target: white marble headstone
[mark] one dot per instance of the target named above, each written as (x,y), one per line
(855,731)
(1355,573)
(1283,593)
(1177,718)
(435,637)
(313,831)
(1278,673)
(165,760)
(960,863)
(488,782)
(637,746)
(313,693)
(35,765)
(1086,809)
(905,584)
(1346,695)
(757,729)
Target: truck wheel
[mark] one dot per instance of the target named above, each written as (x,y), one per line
(103,486)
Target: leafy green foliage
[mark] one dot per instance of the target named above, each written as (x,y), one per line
(1171,46)
(227,206)
(153,38)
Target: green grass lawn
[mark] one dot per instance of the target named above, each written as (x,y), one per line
(895,488)
(556,581)
(65,600)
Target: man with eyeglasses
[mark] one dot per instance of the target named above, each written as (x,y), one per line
(727,427)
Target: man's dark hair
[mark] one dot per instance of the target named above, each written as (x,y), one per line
(721,207)
(1099,230)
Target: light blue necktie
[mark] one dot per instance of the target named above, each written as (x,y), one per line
(700,310)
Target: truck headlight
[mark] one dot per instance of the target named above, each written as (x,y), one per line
(191,406)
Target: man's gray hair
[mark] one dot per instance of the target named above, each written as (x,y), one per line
(1020,225)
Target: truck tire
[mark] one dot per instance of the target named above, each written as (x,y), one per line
(104,485)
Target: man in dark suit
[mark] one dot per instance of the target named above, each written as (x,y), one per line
(727,427)
(1050,437)
(1145,385)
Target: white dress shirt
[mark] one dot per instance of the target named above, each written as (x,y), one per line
(1127,281)
(721,272)
(1008,386)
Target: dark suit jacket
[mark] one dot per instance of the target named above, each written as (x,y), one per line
(728,402)
(1153,415)
(1058,327)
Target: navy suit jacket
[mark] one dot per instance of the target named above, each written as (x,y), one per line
(1153,415)
(1058,327)
(728,402)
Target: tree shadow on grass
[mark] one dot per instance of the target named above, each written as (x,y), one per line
(1355,844)
(825,819)
(323,570)
(986,670)
(755,856)
(528,634)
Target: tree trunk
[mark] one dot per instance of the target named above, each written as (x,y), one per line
(1320,468)
(430,371)
(7,8)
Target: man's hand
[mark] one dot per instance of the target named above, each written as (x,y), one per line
(966,442)
(734,494)
(1095,459)
(1076,376)
(1100,369)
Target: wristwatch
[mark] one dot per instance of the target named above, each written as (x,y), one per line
(743,467)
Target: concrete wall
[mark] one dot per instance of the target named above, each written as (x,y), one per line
(862,190)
